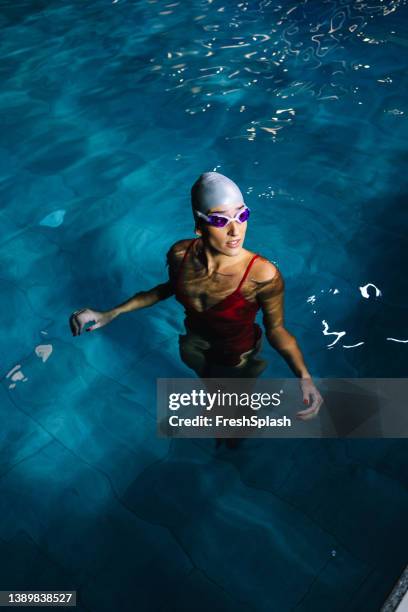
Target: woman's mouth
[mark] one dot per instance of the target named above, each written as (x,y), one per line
(233,244)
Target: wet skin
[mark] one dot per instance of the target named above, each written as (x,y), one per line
(213,271)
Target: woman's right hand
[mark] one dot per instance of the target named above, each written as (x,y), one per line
(80,318)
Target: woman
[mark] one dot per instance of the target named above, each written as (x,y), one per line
(221,285)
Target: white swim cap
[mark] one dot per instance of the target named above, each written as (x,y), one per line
(212,190)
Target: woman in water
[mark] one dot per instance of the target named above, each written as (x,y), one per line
(221,286)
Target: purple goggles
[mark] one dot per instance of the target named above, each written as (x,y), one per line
(217,220)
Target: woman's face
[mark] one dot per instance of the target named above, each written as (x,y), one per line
(227,240)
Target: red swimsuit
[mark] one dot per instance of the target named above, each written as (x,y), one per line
(229,326)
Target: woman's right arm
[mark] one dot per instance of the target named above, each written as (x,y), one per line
(142,299)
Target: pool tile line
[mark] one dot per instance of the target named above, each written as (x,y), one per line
(275,492)
(131,511)
(26,458)
(305,514)
(41,550)
(308,590)
(271,495)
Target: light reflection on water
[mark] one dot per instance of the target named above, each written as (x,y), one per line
(109,111)
(108,121)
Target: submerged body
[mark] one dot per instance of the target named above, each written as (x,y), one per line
(222,338)
(221,286)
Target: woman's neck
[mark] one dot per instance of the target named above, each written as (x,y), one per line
(214,261)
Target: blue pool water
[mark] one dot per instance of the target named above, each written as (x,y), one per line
(109,112)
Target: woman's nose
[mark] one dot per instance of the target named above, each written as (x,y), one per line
(233,229)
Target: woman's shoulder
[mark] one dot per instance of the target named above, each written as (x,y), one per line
(266,278)
(264,271)
(177,250)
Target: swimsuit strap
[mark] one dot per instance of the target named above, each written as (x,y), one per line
(183,260)
(249,266)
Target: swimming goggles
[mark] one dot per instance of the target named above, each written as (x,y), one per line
(217,220)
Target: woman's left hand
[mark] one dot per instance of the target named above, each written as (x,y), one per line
(311,397)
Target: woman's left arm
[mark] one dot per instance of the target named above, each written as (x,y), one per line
(271,300)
